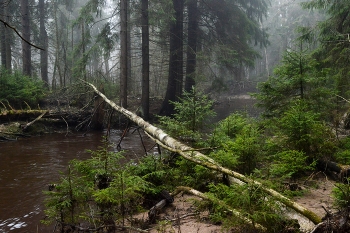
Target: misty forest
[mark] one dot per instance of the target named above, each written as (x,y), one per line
(162,69)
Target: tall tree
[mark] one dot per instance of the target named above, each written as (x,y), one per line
(8,39)
(192,34)
(5,35)
(145,60)
(2,34)
(26,48)
(175,77)
(333,36)
(44,44)
(123,54)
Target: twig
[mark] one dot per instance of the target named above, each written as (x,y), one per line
(343,98)
(143,144)
(123,135)
(66,124)
(3,105)
(182,217)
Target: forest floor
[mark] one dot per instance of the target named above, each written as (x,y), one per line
(182,216)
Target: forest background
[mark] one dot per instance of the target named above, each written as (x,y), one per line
(295,52)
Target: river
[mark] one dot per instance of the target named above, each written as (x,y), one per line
(28,165)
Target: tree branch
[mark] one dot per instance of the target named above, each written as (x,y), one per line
(13,28)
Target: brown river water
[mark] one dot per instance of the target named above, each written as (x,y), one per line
(28,165)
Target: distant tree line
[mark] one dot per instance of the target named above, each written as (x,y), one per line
(158,48)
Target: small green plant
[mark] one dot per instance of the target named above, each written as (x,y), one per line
(290,164)
(341,195)
(20,90)
(191,118)
(165,226)
(239,142)
(302,130)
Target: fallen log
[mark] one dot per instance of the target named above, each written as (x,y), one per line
(219,202)
(16,115)
(195,156)
(153,212)
(335,170)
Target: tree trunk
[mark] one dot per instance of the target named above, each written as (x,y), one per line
(123,54)
(8,43)
(145,61)
(44,45)
(191,154)
(26,49)
(175,78)
(2,35)
(192,34)
(5,37)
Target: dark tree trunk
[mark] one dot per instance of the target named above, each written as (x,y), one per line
(175,78)
(145,61)
(44,44)
(2,35)
(128,44)
(5,37)
(26,50)
(123,54)
(8,43)
(192,35)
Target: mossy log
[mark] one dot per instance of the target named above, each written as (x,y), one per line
(71,117)
(16,115)
(195,156)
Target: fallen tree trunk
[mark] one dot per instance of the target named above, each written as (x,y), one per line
(219,202)
(15,115)
(192,155)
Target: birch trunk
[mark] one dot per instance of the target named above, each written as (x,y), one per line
(195,156)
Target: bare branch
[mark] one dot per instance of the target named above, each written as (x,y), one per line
(13,28)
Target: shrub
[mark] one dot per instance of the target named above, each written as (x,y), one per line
(239,140)
(290,164)
(97,192)
(18,89)
(191,116)
(302,130)
(341,195)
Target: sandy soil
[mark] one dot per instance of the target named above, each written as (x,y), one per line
(318,196)
(182,217)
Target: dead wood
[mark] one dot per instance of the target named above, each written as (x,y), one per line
(219,202)
(335,170)
(15,115)
(195,156)
(156,209)
(24,127)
